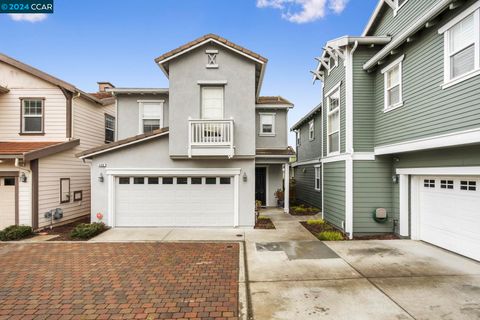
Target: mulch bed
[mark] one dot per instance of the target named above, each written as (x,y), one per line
(63,231)
(264,224)
(386,236)
(315,229)
(308,213)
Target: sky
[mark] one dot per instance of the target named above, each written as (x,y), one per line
(85,41)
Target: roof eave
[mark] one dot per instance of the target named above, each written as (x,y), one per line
(306,117)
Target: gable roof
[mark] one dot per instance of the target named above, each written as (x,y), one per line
(122,143)
(30,150)
(307,117)
(260,62)
(273,100)
(373,17)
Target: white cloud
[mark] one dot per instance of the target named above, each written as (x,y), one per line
(303,11)
(30,17)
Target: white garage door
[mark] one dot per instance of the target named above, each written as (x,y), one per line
(7,201)
(174,201)
(450,213)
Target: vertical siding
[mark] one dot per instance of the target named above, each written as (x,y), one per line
(336,76)
(89,127)
(363,102)
(310,150)
(305,186)
(372,188)
(334,192)
(21,85)
(428,109)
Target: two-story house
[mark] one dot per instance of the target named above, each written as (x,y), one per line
(308,165)
(44,122)
(198,153)
(401,124)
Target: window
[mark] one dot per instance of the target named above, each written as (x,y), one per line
(311,130)
(225,180)
(446,184)
(212,102)
(196,181)
(167,180)
(317,178)
(468,185)
(393,84)
(153,180)
(10,181)
(64,190)
(124,180)
(267,124)
(462,46)
(182,180)
(109,128)
(332,63)
(427,183)
(398,4)
(210,180)
(32,115)
(77,195)
(298,137)
(151,115)
(333,122)
(138,180)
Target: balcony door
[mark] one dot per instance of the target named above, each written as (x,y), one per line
(212,103)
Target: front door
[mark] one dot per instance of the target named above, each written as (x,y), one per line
(7,201)
(261,185)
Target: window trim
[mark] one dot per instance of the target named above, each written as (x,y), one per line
(22,122)
(61,190)
(269,114)
(141,104)
(76,197)
(318,170)
(212,85)
(335,89)
(445,30)
(114,127)
(311,130)
(397,62)
(299,138)
(330,68)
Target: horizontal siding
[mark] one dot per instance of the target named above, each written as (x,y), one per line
(334,192)
(305,186)
(372,188)
(309,150)
(428,110)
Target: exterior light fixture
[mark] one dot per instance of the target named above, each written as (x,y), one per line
(23,177)
(100,178)
(244,177)
(395,179)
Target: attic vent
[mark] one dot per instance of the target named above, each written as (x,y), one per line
(211,58)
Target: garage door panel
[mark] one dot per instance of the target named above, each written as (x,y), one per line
(174,205)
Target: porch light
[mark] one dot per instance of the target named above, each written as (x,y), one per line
(23,177)
(100,178)
(244,177)
(395,178)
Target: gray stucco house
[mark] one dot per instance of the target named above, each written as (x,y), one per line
(198,153)
(401,124)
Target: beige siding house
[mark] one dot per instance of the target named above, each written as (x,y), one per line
(44,122)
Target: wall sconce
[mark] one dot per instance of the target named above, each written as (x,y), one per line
(244,177)
(395,178)
(100,178)
(23,177)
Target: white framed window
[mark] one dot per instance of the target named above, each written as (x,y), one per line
(212,102)
(397,5)
(299,140)
(311,130)
(267,124)
(393,87)
(32,115)
(461,38)
(109,128)
(332,63)
(151,115)
(318,173)
(333,122)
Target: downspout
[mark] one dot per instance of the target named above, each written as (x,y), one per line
(75,96)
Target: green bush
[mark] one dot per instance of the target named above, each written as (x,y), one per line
(300,210)
(330,236)
(87,230)
(263,218)
(15,233)
(315,222)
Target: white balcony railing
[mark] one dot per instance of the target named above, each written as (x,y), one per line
(210,137)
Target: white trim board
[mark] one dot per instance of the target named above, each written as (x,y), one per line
(433,171)
(444,140)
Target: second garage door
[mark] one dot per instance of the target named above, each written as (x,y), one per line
(449,210)
(174,201)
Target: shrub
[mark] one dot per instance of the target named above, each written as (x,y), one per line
(315,222)
(15,233)
(330,236)
(300,210)
(263,218)
(87,230)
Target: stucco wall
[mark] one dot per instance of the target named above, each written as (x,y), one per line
(279,140)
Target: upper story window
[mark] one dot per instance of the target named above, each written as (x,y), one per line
(332,63)
(109,128)
(212,102)
(462,46)
(151,115)
(333,121)
(393,84)
(298,137)
(267,124)
(397,5)
(311,130)
(32,115)
(318,171)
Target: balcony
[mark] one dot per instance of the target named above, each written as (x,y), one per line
(210,138)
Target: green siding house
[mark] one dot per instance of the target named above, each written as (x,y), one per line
(401,124)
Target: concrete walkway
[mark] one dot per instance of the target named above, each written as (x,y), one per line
(292,275)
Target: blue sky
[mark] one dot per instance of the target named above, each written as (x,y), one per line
(86,41)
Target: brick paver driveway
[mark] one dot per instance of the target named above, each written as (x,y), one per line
(119,281)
